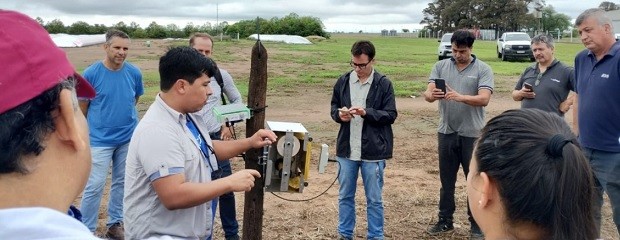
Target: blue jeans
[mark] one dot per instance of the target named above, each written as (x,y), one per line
(372,176)
(606,168)
(91,199)
(228,212)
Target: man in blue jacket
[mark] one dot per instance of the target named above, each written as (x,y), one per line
(364,105)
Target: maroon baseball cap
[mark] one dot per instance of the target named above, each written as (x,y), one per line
(31,63)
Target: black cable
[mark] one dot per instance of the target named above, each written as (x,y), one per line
(234,137)
(234,133)
(312,198)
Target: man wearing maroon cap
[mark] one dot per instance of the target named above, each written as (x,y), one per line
(44,146)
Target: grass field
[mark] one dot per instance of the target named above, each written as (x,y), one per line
(406,61)
(300,81)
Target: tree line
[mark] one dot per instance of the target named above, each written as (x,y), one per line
(500,15)
(291,24)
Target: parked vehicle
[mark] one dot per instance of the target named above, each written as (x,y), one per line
(512,45)
(445,46)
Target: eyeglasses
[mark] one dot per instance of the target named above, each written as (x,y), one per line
(538,79)
(360,65)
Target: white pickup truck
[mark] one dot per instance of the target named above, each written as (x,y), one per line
(515,45)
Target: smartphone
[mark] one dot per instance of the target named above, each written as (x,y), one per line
(528,86)
(441,84)
(344,110)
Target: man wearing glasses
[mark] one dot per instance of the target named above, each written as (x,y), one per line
(363,103)
(546,84)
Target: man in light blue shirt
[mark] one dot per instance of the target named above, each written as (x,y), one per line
(112,117)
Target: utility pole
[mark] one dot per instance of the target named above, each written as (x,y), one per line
(539,14)
(217,19)
(257,95)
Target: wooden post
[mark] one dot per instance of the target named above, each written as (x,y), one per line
(257,94)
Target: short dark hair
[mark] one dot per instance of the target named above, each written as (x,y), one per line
(200,35)
(599,14)
(24,129)
(114,33)
(539,181)
(363,47)
(543,38)
(462,38)
(183,63)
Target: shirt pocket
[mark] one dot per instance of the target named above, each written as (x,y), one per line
(190,151)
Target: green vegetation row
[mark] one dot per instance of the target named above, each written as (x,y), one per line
(291,24)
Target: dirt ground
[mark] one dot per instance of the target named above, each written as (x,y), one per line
(411,178)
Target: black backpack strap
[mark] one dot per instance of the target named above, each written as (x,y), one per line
(220,81)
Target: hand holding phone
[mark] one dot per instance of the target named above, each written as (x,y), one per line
(440,83)
(345,114)
(344,110)
(528,86)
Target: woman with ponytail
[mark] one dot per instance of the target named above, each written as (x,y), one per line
(530,180)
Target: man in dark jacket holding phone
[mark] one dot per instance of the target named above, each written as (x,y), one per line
(363,103)
(469,84)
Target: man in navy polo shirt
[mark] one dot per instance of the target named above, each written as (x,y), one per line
(597,117)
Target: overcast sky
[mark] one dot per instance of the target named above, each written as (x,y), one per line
(337,15)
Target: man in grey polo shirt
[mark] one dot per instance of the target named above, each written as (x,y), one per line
(546,84)
(168,187)
(469,84)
